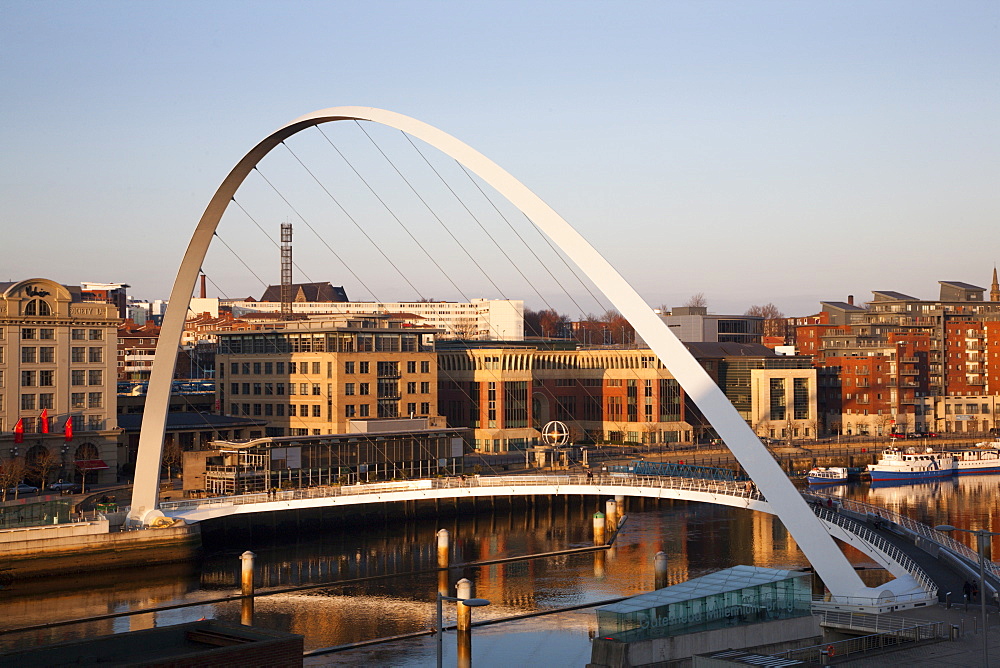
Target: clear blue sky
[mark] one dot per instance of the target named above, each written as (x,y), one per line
(754,151)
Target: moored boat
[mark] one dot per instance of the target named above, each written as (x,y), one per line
(896,464)
(984,459)
(827,475)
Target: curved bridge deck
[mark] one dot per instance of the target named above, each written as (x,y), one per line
(844,520)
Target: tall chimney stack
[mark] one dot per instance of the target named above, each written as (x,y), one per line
(850,299)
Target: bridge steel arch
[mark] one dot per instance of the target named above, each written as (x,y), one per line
(809,533)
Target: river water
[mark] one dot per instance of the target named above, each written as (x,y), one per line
(697,538)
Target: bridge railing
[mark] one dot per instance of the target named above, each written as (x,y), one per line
(743,489)
(879,542)
(827,652)
(913,526)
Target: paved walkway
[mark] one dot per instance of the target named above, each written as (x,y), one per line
(966,652)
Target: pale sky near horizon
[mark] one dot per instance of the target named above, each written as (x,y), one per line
(785,152)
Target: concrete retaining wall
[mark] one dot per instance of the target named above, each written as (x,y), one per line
(662,651)
(40,552)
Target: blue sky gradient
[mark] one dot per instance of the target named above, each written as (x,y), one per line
(754,151)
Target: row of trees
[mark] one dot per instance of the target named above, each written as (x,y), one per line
(611,327)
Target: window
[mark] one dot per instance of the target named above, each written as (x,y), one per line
(28,333)
(349,389)
(291,367)
(291,410)
(291,388)
(95,377)
(246,368)
(425,367)
(279,389)
(315,368)
(411,367)
(256,388)
(29,355)
(304,388)
(78,335)
(96,335)
(363,410)
(411,409)
(234,388)
(411,388)
(245,388)
(46,378)
(78,354)
(425,408)
(268,368)
(28,378)
(257,409)
(317,411)
(279,410)
(315,389)
(349,410)
(363,367)
(279,368)
(364,388)
(27,402)
(234,368)
(78,377)
(77,400)
(256,368)
(47,333)
(268,388)
(425,388)
(46,400)
(95,399)
(96,355)
(47,355)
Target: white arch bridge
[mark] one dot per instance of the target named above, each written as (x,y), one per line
(911,586)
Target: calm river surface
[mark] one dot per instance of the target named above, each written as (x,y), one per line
(697,538)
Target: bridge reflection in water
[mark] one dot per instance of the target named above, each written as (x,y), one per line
(911,585)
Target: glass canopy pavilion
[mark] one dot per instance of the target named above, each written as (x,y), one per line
(730,597)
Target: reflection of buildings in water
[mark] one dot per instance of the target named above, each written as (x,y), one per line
(772,544)
(327,620)
(28,604)
(966,501)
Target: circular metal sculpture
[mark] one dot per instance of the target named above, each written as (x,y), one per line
(556,434)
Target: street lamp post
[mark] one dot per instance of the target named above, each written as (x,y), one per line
(468,602)
(982,535)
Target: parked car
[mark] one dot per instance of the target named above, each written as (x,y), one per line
(22,488)
(64,487)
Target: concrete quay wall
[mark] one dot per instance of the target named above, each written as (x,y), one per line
(87,546)
(778,635)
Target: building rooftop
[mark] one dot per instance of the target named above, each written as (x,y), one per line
(729,579)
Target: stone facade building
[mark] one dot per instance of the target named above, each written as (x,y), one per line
(58,356)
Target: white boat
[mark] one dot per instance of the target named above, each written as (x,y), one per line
(984,459)
(827,475)
(896,464)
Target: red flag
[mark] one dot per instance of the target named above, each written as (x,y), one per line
(43,421)
(68,429)
(19,431)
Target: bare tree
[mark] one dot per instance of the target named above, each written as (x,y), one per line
(11,473)
(774,320)
(697,300)
(42,465)
(172,455)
